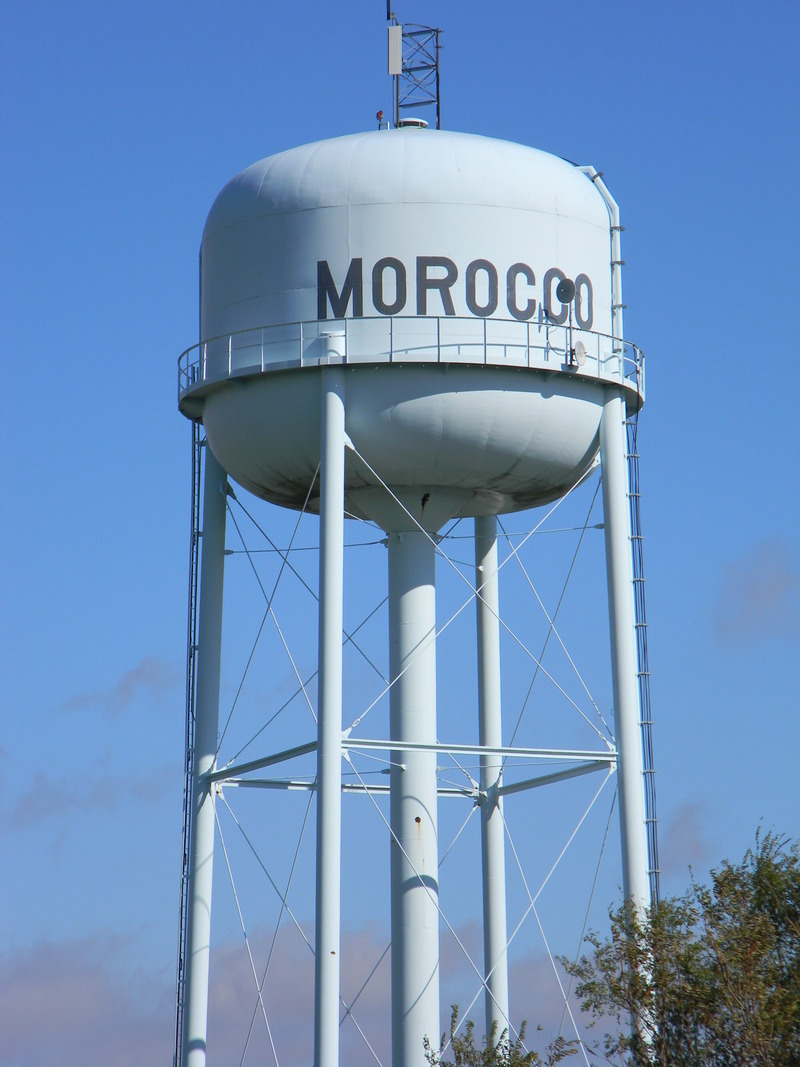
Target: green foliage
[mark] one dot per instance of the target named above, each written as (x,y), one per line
(710,979)
(493,1051)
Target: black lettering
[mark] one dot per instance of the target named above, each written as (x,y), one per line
(584,302)
(554,275)
(424,283)
(399,286)
(491,274)
(353,287)
(511,291)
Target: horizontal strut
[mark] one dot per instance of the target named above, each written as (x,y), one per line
(347,787)
(557,776)
(225,773)
(609,756)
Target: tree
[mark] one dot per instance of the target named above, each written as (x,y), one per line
(495,1051)
(709,979)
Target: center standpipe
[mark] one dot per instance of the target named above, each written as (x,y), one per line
(414,847)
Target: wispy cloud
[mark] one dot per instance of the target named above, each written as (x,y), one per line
(288,999)
(73,1004)
(152,678)
(77,1004)
(760,595)
(80,1004)
(683,842)
(49,797)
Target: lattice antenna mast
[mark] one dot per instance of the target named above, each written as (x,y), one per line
(413,66)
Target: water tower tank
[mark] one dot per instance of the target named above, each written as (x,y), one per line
(429,264)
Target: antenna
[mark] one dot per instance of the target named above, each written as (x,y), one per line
(414,66)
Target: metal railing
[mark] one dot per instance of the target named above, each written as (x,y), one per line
(413,339)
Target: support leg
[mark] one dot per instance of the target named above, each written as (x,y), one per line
(201,861)
(414,848)
(624,664)
(495,958)
(329,748)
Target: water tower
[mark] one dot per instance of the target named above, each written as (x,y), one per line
(404,326)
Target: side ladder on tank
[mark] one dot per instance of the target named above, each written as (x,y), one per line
(648,762)
(188,770)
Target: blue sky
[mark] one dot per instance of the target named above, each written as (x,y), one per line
(120,124)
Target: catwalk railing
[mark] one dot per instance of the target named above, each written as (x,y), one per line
(542,345)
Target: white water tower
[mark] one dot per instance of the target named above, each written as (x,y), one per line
(405,326)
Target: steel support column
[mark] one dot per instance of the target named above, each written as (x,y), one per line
(624,663)
(201,861)
(414,847)
(329,730)
(495,959)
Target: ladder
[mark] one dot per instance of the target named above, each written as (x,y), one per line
(648,763)
(188,769)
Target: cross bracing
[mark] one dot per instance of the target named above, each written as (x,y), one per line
(249,722)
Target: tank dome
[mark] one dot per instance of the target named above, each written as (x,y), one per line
(427,264)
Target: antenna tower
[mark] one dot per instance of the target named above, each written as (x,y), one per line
(413,66)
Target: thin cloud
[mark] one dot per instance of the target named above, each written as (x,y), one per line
(760,595)
(80,1005)
(49,798)
(682,840)
(288,1000)
(151,678)
(73,1004)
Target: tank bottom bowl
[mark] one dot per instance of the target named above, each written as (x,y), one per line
(447,440)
